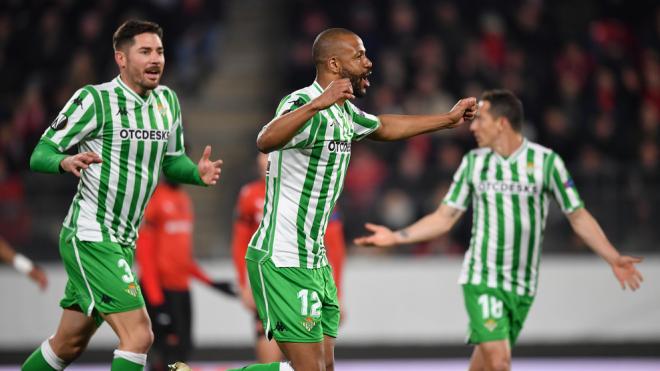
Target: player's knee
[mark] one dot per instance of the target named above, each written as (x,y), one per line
(139,340)
(330,364)
(499,362)
(71,348)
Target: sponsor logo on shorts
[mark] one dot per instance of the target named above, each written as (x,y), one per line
(491,324)
(132,289)
(279,326)
(309,323)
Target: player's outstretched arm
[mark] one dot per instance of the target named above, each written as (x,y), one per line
(623,267)
(427,228)
(279,131)
(395,127)
(23,264)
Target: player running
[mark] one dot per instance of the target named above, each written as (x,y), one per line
(127,130)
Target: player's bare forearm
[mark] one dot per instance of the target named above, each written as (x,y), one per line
(280,130)
(431,226)
(396,127)
(585,226)
(6,253)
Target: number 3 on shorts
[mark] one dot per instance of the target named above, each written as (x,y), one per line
(490,306)
(305,309)
(128,277)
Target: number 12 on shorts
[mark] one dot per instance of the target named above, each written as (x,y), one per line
(306,297)
(490,306)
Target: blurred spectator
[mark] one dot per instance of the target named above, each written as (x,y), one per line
(588,74)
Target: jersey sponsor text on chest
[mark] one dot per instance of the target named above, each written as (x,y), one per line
(144,134)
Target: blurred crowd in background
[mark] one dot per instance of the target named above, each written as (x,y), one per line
(588,73)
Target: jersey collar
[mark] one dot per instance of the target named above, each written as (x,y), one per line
(130,93)
(514,155)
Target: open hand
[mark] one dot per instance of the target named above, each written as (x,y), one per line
(381,236)
(626,273)
(209,170)
(334,92)
(74,164)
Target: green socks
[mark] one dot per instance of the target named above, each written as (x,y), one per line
(43,359)
(128,361)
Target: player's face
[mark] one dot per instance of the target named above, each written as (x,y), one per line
(144,62)
(355,65)
(485,127)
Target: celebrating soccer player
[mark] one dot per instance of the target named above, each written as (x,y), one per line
(127,131)
(309,146)
(509,181)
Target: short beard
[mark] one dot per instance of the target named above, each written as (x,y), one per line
(355,83)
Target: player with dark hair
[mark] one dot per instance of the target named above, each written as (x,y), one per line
(509,182)
(127,130)
(309,146)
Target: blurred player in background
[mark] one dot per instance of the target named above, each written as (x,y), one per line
(165,257)
(249,212)
(22,264)
(509,182)
(127,130)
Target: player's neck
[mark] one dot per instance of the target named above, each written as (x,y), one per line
(508,144)
(144,93)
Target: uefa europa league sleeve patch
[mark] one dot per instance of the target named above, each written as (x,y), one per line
(60,122)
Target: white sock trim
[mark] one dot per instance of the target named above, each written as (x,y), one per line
(285,366)
(51,358)
(138,358)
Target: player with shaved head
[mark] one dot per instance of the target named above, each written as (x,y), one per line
(309,146)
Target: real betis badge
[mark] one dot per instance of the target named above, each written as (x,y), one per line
(132,289)
(60,122)
(309,323)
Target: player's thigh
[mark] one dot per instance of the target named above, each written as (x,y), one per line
(304,356)
(329,352)
(489,312)
(100,277)
(289,301)
(492,355)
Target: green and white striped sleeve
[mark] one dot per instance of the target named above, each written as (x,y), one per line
(175,146)
(460,191)
(291,103)
(563,187)
(363,123)
(79,119)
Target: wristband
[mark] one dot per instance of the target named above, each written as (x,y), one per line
(23,264)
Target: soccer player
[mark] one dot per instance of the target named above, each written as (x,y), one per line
(22,264)
(249,212)
(127,131)
(309,146)
(165,256)
(509,181)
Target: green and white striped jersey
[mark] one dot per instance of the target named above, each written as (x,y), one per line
(510,198)
(132,135)
(304,180)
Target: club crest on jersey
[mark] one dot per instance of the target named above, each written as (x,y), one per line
(309,323)
(161,109)
(132,289)
(530,168)
(490,325)
(60,122)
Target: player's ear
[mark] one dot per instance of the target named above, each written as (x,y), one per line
(334,65)
(120,58)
